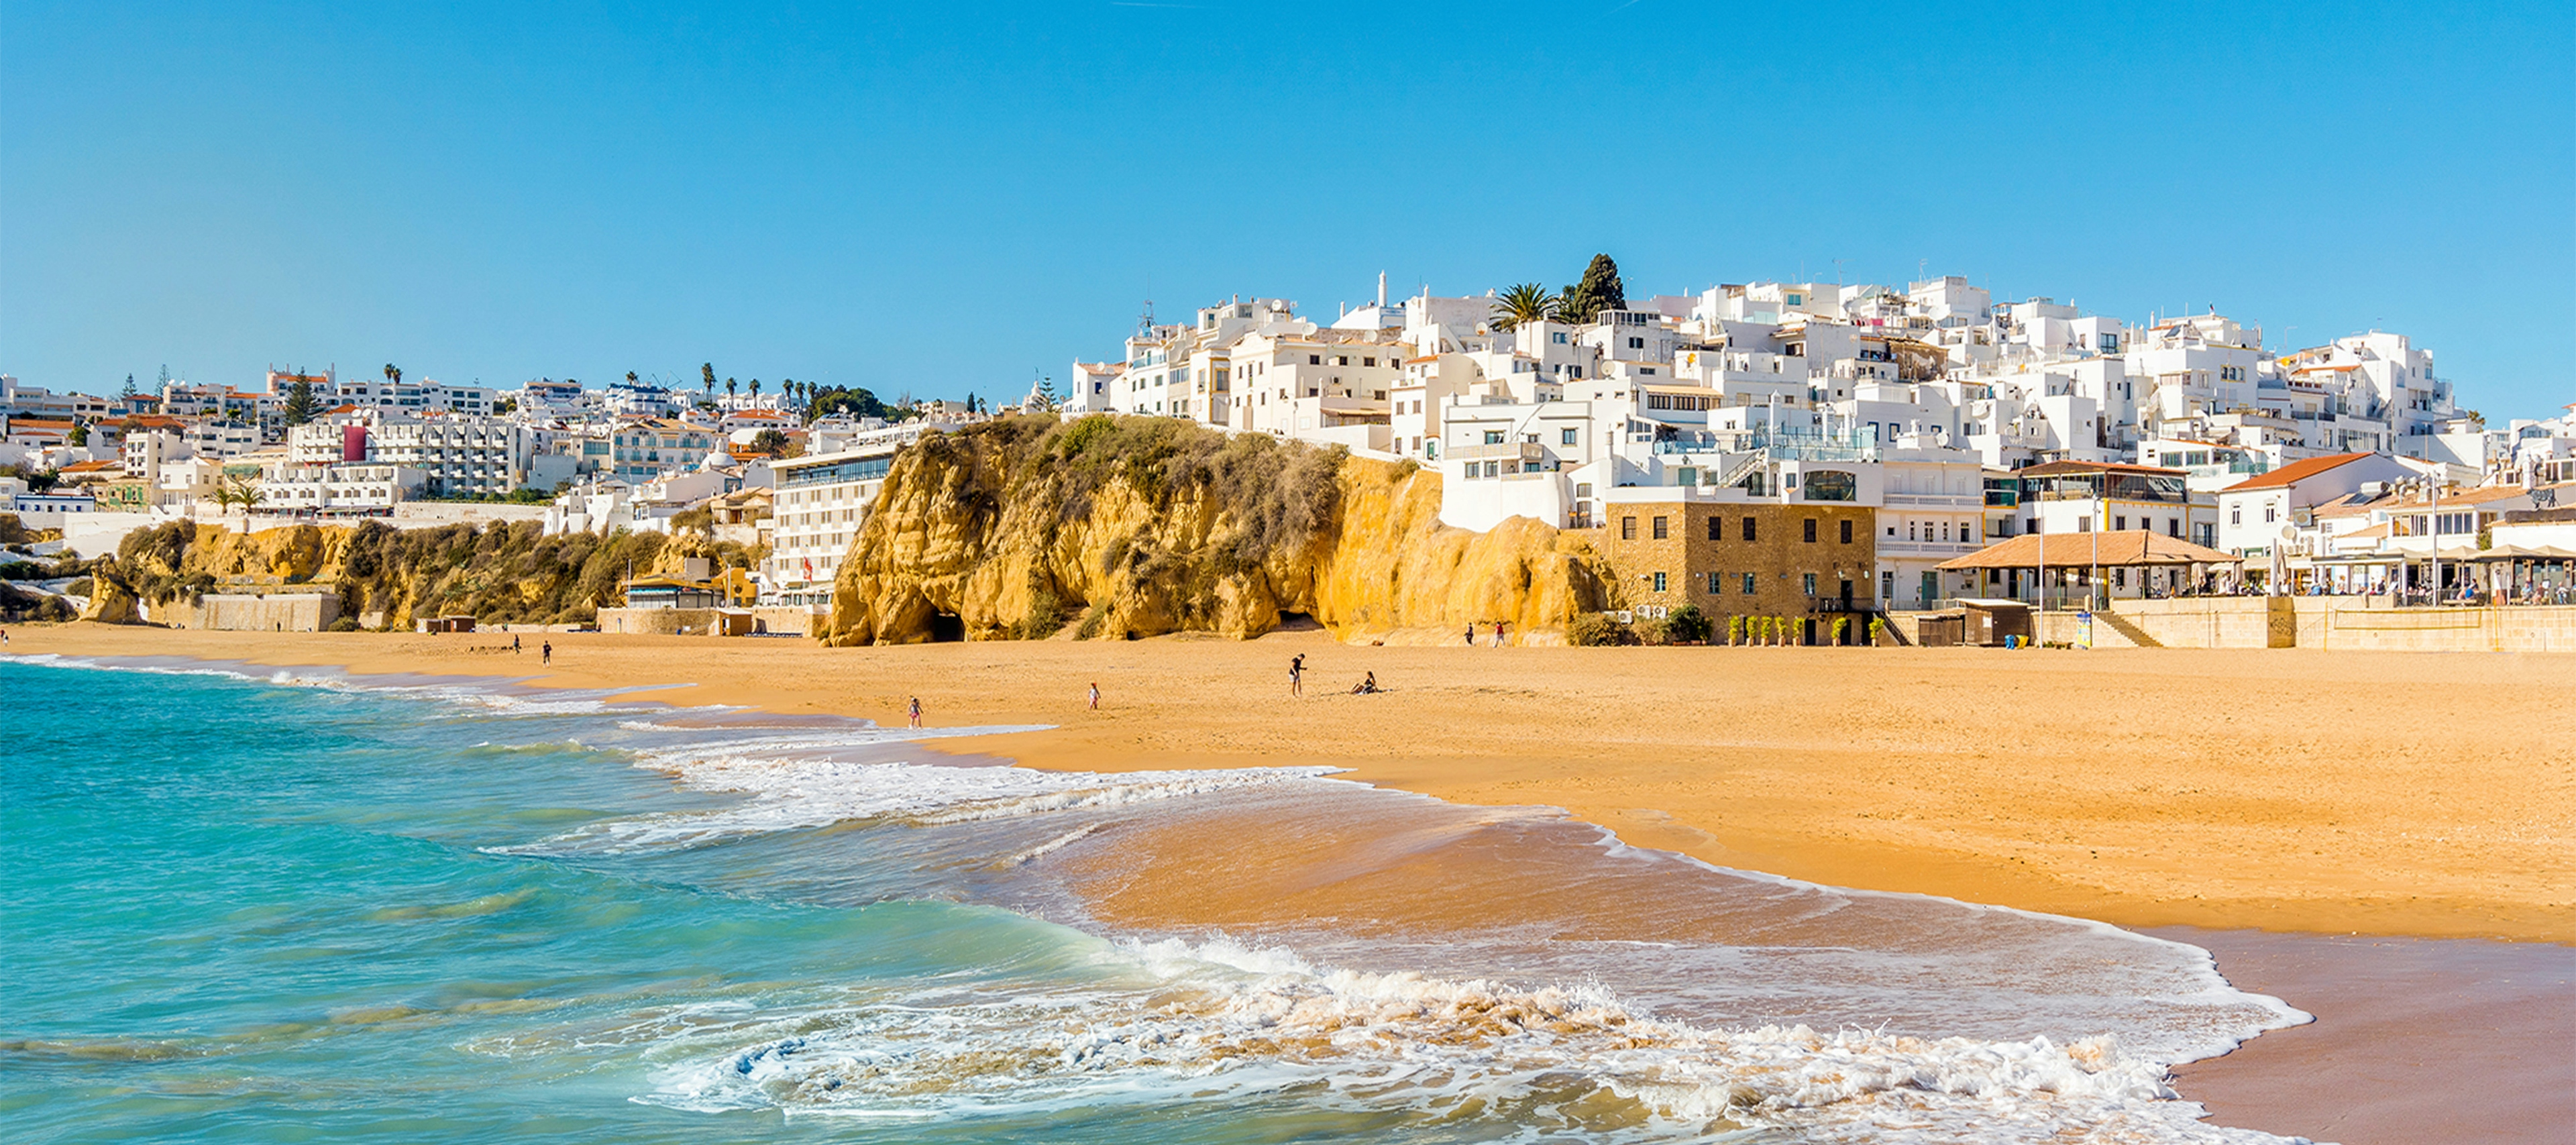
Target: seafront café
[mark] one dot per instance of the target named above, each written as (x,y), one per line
(2050,568)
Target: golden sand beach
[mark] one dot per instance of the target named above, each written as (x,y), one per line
(2262,797)
(2398,794)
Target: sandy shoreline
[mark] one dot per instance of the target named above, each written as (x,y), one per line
(2386,794)
(2395,794)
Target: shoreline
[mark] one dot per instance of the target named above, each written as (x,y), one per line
(1784,761)
(2327,1080)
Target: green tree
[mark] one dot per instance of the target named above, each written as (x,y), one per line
(730,389)
(770,441)
(1735,630)
(393,373)
(755,391)
(1526,302)
(707,374)
(630,377)
(79,434)
(1600,290)
(300,403)
(128,391)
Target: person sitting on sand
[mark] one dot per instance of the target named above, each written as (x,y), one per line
(1367,687)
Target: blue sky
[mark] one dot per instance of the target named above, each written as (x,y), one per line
(945,198)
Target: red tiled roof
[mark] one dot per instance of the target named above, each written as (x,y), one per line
(2294,471)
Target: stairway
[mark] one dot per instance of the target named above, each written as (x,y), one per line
(2112,630)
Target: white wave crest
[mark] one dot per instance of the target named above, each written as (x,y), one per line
(1224,1020)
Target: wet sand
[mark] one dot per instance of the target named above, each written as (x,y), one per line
(2289,790)
(2416,1040)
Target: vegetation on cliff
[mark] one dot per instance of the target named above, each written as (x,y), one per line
(500,574)
(1123,527)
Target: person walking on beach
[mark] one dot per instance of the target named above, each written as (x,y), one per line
(1095,695)
(916,711)
(546,652)
(1498,634)
(514,646)
(1297,675)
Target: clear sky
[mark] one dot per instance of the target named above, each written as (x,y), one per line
(944,198)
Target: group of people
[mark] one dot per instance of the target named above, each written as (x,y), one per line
(1498,634)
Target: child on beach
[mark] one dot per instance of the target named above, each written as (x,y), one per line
(1095,696)
(916,711)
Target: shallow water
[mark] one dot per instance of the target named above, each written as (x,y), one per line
(252,905)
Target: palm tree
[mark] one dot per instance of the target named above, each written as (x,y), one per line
(755,391)
(729,388)
(1527,302)
(630,377)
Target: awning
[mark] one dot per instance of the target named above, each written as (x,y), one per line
(2131,549)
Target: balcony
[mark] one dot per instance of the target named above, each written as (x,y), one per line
(1957,501)
(1525,451)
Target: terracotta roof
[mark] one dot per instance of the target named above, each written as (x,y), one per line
(2134,547)
(2295,471)
(92,466)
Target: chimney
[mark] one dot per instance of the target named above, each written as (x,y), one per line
(1381,290)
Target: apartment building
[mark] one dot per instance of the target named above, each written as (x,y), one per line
(1811,563)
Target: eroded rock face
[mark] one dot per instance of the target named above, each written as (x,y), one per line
(1013,533)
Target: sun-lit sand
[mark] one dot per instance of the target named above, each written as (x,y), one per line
(2429,795)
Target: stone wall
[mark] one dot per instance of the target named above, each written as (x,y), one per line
(1780,558)
(255,612)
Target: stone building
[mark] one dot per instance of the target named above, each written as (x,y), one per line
(1807,561)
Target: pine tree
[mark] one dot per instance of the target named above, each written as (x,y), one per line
(1600,290)
(300,406)
(128,391)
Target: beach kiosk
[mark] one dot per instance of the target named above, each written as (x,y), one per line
(1989,621)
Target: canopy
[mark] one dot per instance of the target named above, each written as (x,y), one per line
(2132,549)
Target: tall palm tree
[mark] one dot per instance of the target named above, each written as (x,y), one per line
(393,373)
(630,377)
(755,391)
(729,387)
(1527,302)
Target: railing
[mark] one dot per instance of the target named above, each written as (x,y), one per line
(1937,500)
(1508,450)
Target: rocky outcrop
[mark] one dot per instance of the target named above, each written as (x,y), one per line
(1115,528)
(498,573)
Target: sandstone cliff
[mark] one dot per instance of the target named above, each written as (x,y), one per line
(1137,527)
(499,574)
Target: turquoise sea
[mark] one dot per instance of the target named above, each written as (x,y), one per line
(244,905)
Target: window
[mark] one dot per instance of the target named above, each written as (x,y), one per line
(1314,359)
(1566,436)
(2120,524)
(1368,361)
(2173,528)
(1808,582)
(1627,528)
(2235,514)
(1748,584)
(2271,513)
(1636,343)
(1659,577)
(1560,337)
(1493,437)
(1811,530)
(1662,532)
(2084,524)
(1847,532)
(1716,530)
(1748,535)
(1716,583)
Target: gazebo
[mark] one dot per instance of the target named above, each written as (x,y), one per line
(2075,558)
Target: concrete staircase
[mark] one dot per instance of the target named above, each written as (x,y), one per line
(2112,630)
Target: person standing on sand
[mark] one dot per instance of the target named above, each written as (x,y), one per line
(514,645)
(546,652)
(1471,636)
(916,711)
(1095,695)
(1297,675)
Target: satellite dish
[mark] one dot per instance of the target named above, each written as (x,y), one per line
(2289,532)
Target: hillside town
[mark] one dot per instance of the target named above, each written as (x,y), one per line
(1803,450)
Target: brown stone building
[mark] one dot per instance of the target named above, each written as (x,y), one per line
(1809,562)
